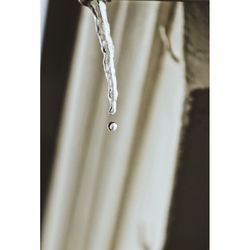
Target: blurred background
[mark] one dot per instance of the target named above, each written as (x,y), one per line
(146,185)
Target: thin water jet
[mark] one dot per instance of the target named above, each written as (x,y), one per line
(98,8)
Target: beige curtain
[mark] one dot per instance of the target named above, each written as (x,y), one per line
(113,190)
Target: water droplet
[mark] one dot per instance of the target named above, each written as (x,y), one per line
(112,126)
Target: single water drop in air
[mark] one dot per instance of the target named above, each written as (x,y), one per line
(112,126)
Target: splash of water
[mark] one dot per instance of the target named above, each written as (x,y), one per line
(98,8)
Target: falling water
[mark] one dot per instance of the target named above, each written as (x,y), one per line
(98,8)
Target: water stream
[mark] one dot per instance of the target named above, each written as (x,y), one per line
(99,11)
